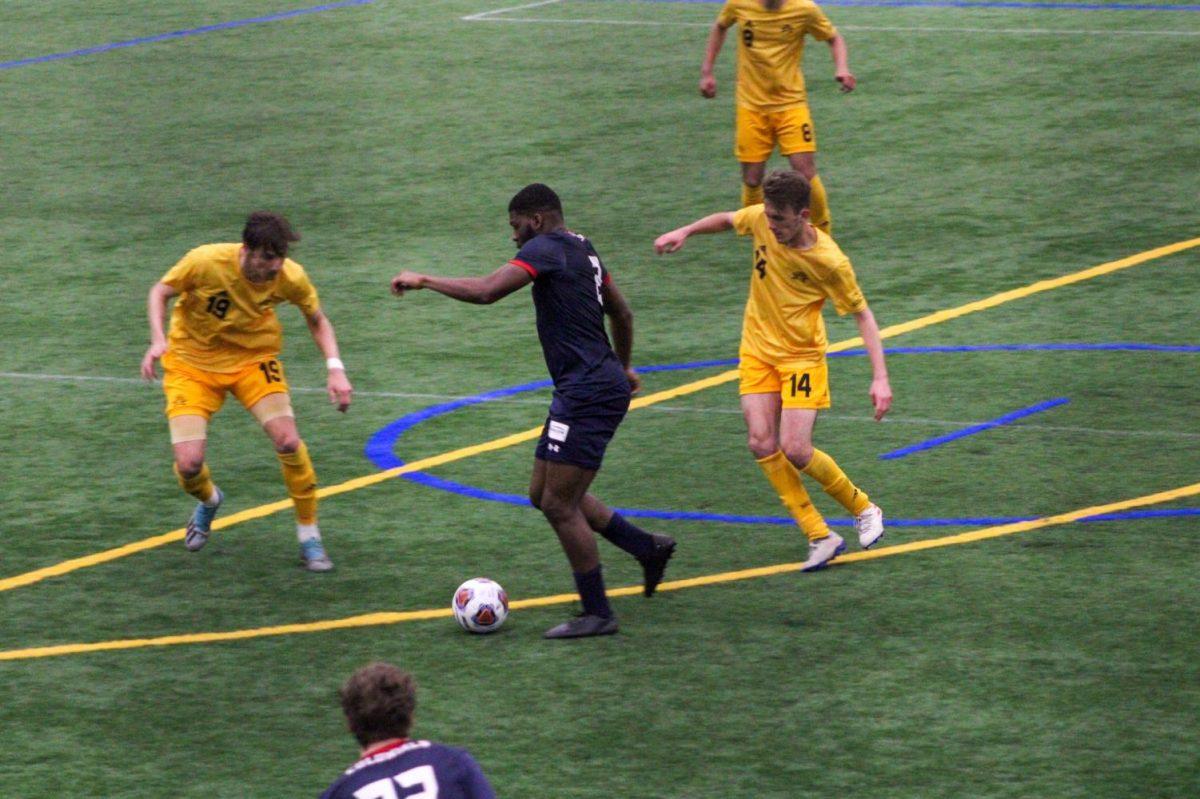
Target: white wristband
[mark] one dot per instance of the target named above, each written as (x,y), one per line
(335,363)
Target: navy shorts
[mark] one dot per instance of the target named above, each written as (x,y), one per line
(578,434)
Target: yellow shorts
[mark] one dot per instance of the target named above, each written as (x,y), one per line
(759,131)
(801,384)
(197,392)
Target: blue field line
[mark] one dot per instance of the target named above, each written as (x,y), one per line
(1004,4)
(1007,418)
(380,448)
(161,37)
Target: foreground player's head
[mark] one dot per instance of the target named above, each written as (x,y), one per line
(785,198)
(379,700)
(265,240)
(534,209)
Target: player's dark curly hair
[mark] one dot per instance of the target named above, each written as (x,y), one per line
(534,198)
(268,231)
(784,187)
(379,700)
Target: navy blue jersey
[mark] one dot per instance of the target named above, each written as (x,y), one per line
(567,276)
(413,769)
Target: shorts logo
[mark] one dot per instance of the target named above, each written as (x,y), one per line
(558,431)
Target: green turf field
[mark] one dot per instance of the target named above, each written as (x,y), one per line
(986,149)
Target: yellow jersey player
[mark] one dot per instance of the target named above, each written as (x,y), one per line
(772,106)
(784,379)
(225,338)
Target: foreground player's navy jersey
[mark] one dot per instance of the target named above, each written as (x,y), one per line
(413,768)
(567,275)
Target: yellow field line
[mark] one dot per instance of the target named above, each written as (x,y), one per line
(65,567)
(376,619)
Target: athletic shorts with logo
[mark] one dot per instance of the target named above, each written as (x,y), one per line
(757,133)
(803,383)
(191,390)
(577,432)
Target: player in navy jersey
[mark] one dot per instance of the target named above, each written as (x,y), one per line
(593,383)
(378,701)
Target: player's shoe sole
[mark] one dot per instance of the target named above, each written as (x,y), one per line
(655,564)
(869,525)
(583,626)
(822,551)
(199,527)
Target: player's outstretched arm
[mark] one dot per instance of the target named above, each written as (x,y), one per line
(478,290)
(156,312)
(881,389)
(841,63)
(708,82)
(620,322)
(336,382)
(713,223)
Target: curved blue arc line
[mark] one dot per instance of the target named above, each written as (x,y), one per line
(380,447)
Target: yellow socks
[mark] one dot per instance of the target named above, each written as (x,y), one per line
(301,481)
(201,486)
(819,206)
(825,471)
(786,480)
(751,195)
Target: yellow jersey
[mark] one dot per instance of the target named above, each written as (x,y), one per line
(788,287)
(771,48)
(222,322)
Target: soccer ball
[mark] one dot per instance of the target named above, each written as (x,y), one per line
(480,605)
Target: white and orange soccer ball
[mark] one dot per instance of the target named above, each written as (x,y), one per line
(480,605)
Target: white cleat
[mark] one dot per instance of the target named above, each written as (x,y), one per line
(823,550)
(869,525)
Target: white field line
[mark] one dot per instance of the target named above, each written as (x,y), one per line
(483,16)
(297,389)
(495,16)
(827,417)
(855,28)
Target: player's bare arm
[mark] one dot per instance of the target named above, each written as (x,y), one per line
(478,290)
(620,323)
(841,63)
(336,383)
(881,389)
(156,312)
(708,82)
(713,223)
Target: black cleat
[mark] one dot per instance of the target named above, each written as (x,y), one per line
(655,564)
(583,626)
